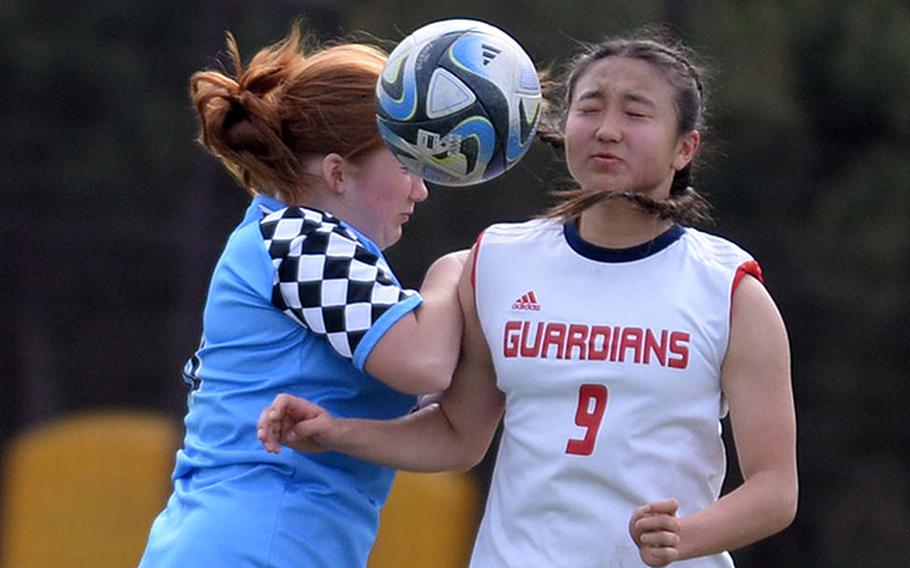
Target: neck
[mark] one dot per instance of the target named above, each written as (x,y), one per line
(324,201)
(619,224)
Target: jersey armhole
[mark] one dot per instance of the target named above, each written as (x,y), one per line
(750,267)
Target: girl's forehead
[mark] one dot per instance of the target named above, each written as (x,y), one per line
(618,74)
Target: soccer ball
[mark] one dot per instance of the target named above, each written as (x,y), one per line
(458,102)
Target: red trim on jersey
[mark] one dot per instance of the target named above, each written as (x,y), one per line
(474,264)
(750,267)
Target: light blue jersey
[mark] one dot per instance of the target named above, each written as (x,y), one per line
(297,301)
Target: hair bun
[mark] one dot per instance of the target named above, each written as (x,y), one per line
(287,103)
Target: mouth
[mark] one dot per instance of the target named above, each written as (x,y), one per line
(606,158)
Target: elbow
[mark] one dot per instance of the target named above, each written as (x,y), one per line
(785,507)
(466,450)
(472,449)
(789,507)
(773,498)
(468,459)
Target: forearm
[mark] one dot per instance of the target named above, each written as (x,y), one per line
(763,505)
(422,441)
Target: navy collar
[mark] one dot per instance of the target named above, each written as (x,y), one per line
(603,254)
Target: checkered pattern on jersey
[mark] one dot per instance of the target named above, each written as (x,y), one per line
(325,278)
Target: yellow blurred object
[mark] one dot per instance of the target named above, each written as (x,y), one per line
(84,490)
(429,521)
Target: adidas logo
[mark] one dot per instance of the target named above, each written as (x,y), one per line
(527,302)
(489,53)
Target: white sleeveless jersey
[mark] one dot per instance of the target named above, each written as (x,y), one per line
(610,364)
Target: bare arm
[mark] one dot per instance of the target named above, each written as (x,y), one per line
(418,354)
(451,435)
(333,285)
(756,382)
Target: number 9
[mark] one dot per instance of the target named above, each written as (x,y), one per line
(588,417)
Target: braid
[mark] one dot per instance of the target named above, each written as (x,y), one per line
(549,129)
(687,207)
(551,136)
(679,55)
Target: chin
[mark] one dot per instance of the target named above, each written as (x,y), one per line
(603,183)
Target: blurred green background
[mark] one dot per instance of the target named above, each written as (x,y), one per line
(112,217)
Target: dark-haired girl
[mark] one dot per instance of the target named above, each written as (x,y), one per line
(612,338)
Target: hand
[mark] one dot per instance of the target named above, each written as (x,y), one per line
(294,422)
(654,528)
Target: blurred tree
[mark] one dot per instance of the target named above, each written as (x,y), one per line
(81,135)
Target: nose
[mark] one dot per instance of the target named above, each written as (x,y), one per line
(608,130)
(419,191)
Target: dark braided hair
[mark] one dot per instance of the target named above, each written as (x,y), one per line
(674,60)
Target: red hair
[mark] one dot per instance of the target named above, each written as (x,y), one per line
(286,105)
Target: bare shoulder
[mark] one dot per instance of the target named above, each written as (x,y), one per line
(752,300)
(759,350)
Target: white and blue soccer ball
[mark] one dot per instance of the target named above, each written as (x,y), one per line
(458,102)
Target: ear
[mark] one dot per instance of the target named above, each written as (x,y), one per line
(334,173)
(686,148)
